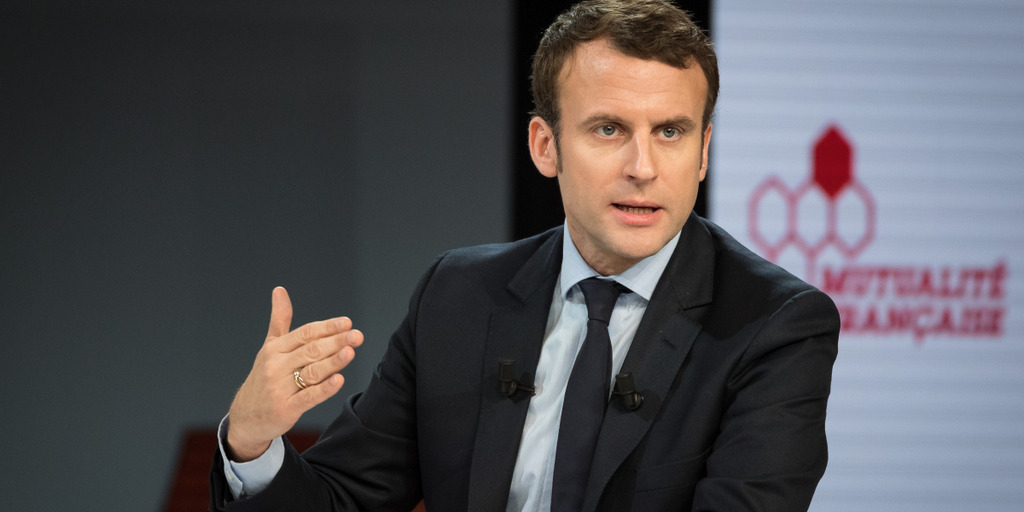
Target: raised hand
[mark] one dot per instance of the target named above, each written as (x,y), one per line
(273,396)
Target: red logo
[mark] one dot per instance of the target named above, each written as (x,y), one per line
(831,183)
(831,208)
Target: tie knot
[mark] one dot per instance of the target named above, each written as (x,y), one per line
(600,295)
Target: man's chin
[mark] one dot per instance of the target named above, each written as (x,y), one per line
(628,254)
(636,248)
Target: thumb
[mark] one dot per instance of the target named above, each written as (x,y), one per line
(280,313)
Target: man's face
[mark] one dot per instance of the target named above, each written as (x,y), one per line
(630,152)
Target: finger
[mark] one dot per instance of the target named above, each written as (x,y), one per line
(325,349)
(318,371)
(314,331)
(315,395)
(280,313)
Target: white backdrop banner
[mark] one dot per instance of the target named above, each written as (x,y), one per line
(876,149)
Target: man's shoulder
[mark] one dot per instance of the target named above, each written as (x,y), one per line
(739,268)
(498,253)
(748,289)
(499,263)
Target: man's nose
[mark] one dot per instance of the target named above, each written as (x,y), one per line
(640,163)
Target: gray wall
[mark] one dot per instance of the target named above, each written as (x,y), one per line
(164,166)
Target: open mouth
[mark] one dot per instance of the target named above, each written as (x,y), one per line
(639,210)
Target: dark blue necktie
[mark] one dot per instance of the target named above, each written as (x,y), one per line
(586,397)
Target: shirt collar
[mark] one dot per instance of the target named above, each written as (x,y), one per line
(640,278)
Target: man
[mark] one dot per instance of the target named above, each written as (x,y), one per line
(722,361)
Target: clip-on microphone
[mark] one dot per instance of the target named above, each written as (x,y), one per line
(507,377)
(626,388)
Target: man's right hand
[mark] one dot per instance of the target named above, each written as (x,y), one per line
(270,400)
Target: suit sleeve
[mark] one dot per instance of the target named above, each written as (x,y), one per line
(771,449)
(367,459)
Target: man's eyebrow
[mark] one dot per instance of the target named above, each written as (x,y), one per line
(601,118)
(685,123)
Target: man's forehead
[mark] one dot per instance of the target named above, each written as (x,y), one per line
(597,67)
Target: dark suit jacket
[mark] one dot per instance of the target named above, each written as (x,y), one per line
(733,357)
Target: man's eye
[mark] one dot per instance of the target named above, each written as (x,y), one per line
(670,133)
(607,130)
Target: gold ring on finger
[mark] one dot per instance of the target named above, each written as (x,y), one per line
(298,379)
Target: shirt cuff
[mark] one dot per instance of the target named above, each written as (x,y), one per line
(248,478)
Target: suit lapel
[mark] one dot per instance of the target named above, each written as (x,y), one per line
(661,344)
(516,332)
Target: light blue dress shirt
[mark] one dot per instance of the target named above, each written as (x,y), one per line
(563,336)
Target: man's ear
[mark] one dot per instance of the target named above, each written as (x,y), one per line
(704,153)
(542,147)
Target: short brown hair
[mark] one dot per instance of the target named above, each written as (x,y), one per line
(645,29)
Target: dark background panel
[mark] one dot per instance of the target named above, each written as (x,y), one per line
(163,166)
